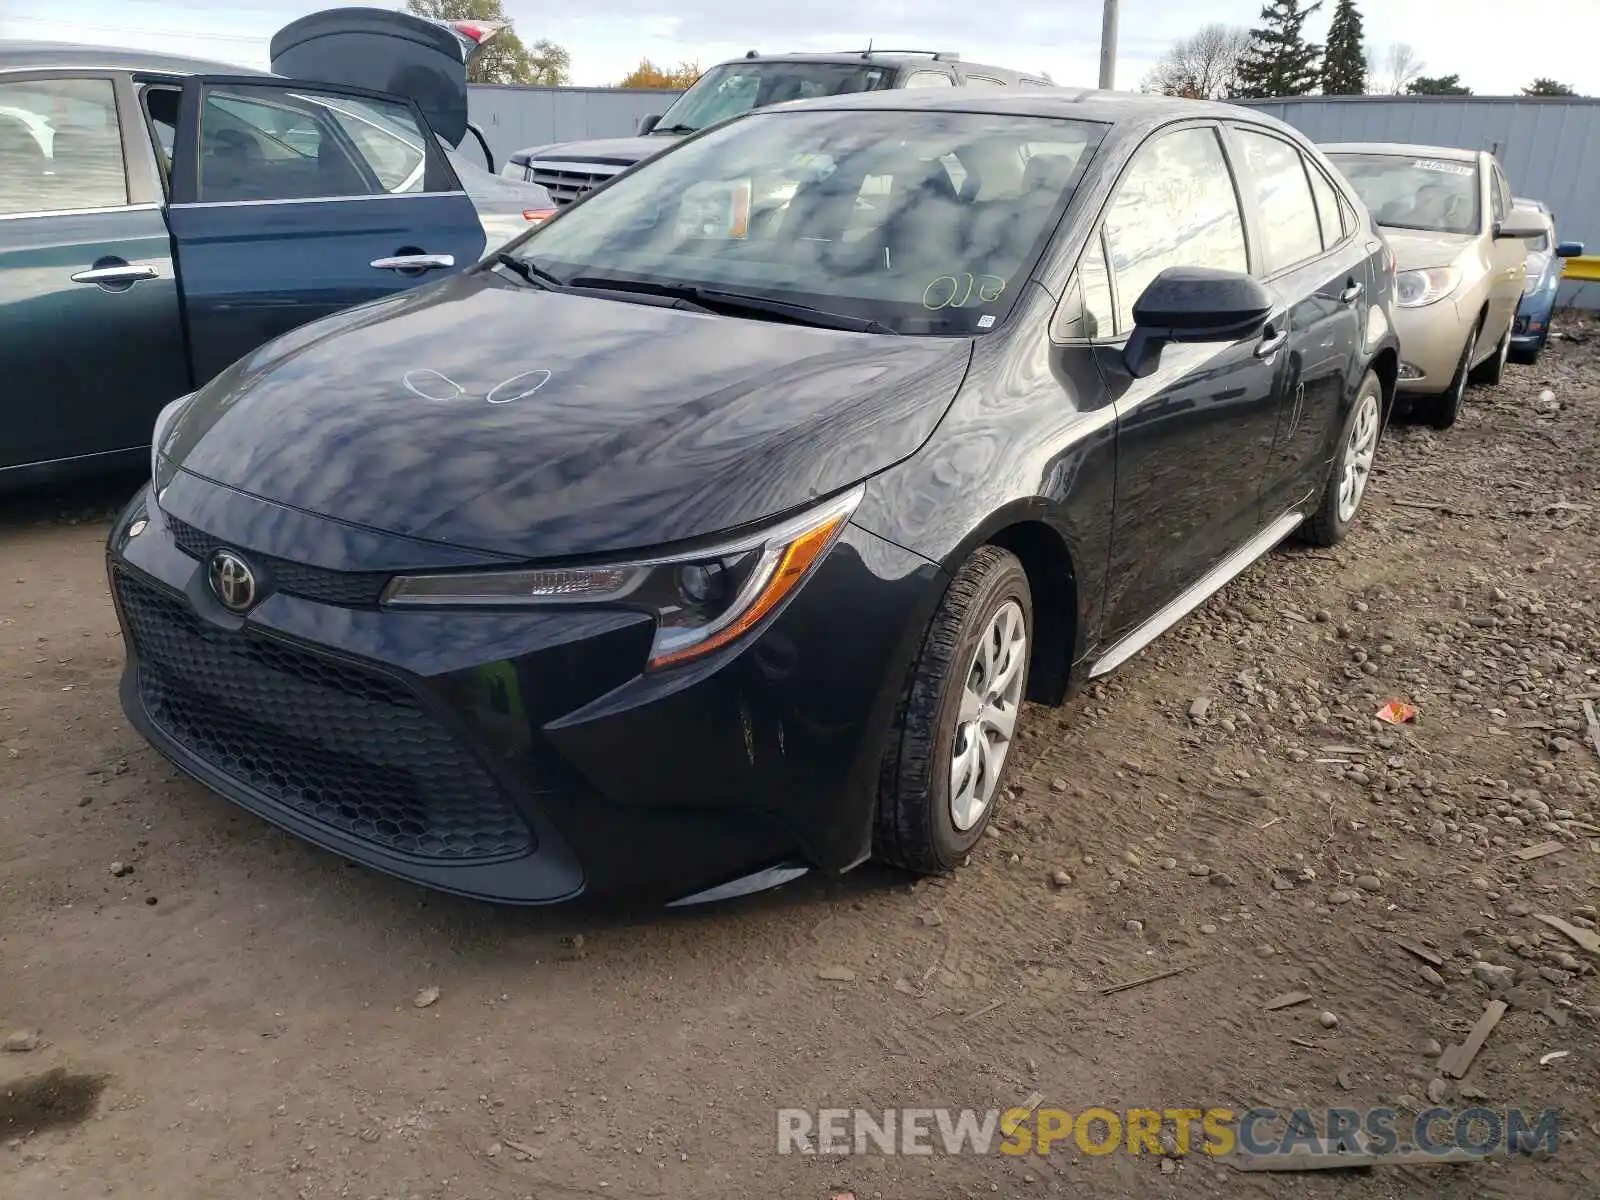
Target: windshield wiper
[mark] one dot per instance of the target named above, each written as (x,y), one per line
(678,128)
(737,303)
(531,271)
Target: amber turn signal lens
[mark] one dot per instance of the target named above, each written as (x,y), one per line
(798,557)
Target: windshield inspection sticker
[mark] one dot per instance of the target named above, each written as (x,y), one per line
(1444,168)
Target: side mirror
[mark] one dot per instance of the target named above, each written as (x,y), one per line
(1194,304)
(1569,250)
(1520,223)
(646,124)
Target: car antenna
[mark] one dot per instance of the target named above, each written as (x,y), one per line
(867,53)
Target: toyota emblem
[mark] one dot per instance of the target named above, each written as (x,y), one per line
(232,581)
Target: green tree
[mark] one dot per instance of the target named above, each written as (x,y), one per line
(648,75)
(1548,87)
(1280,62)
(1344,63)
(1437,85)
(503,58)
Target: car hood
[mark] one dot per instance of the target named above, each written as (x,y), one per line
(1415,249)
(618,151)
(483,413)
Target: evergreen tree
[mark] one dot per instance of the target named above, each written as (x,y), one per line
(1280,62)
(1344,64)
(1548,87)
(1437,85)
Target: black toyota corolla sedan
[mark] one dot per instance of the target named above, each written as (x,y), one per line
(718,529)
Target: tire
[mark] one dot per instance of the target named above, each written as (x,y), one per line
(917,826)
(1352,467)
(1442,410)
(1530,356)
(1489,374)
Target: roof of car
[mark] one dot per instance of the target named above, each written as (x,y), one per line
(1084,104)
(52,56)
(1450,153)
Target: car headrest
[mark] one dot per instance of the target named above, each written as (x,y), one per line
(87,160)
(1047,173)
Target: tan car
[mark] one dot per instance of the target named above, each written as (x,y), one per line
(1447,214)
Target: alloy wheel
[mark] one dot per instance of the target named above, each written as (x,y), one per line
(991,698)
(1359,450)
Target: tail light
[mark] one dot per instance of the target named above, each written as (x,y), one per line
(537,216)
(478,32)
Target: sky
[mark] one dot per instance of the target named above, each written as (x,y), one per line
(1472,38)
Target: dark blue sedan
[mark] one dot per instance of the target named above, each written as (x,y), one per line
(1541,282)
(160,217)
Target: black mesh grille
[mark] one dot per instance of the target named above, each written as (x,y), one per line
(347,589)
(566,184)
(329,740)
(1521,324)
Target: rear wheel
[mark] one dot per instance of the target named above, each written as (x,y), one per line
(946,760)
(1490,373)
(1442,410)
(1352,467)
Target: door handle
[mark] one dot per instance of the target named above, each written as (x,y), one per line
(1271,343)
(415,262)
(1351,294)
(126,273)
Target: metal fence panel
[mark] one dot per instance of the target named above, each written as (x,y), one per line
(514,118)
(1550,147)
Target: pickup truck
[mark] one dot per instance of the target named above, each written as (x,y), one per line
(161,218)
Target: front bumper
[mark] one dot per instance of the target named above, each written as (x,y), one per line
(1431,341)
(1532,323)
(514,756)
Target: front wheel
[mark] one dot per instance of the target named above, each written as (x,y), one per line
(1352,467)
(1490,373)
(945,763)
(1442,410)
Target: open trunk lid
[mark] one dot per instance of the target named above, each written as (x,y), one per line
(385,51)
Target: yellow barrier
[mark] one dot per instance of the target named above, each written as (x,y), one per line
(1585,269)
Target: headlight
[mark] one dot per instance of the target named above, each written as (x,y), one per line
(1530,282)
(160,470)
(701,601)
(514,170)
(1415,289)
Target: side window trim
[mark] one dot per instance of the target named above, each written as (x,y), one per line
(1346,229)
(185,167)
(1252,211)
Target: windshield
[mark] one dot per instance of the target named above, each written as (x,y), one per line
(926,222)
(733,88)
(1402,192)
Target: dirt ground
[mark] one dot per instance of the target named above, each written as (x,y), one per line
(234,1015)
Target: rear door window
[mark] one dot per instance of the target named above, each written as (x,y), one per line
(60,146)
(277,143)
(1328,213)
(1276,172)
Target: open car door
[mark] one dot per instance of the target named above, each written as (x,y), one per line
(422,60)
(293,200)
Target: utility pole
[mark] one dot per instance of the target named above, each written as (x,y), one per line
(1108,46)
